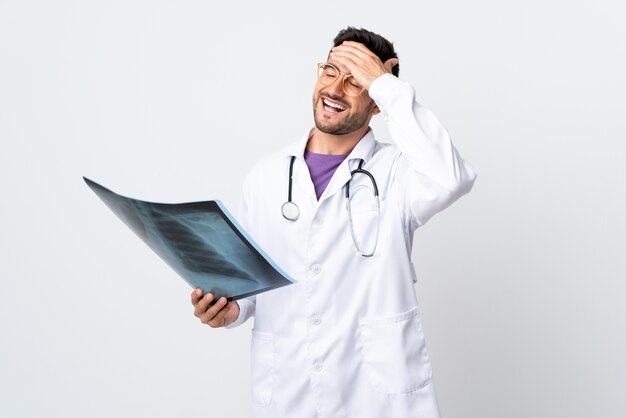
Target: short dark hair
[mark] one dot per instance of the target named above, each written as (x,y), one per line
(373,41)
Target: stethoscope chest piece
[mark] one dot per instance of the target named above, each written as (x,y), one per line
(290,211)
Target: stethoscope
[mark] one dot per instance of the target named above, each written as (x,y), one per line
(291,211)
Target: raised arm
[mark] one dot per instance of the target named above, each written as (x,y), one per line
(429,173)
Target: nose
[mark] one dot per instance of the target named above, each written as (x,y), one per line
(336,88)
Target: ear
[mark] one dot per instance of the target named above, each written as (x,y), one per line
(375,109)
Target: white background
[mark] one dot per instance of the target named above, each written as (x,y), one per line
(521,283)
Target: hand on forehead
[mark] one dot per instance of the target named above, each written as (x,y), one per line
(351,47)
(339,66)
(365,66)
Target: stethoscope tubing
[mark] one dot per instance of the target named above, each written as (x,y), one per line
(291,212)
(289,209)
(359,169)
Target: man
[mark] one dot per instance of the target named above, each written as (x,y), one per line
(346,341)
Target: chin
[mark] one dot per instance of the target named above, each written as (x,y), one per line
(327,128)
(333,130)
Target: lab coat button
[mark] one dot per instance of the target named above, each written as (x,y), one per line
(316,320)
(317,367)
(317,221)
(316,268)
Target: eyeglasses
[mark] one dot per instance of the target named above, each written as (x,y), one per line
(328,73)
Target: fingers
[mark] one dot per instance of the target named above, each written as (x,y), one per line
(225,316)
(357,48)
(196,295)
(208,317)
(207,311)
(358,54)
(348,57)
(218,314)
(364,66)
(202,305)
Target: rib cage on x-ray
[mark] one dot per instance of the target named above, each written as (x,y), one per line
(201,241)
(197,251)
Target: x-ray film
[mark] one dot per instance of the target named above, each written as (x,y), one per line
(202,242)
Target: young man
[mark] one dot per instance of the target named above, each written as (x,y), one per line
(346,341)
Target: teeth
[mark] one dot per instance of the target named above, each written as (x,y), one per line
(336,106)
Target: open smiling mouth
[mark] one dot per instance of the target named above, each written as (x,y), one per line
(332,107)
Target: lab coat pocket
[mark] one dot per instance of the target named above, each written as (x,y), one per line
(394,353)
(262,361)
(366,226)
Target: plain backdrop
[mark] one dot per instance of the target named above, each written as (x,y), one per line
(521,282)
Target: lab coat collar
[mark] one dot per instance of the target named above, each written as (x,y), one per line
(297,148)
(363,150)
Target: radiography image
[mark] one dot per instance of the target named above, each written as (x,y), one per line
(201,241)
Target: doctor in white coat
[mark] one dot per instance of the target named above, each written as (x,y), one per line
(346,340)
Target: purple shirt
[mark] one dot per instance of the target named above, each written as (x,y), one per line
(322,167)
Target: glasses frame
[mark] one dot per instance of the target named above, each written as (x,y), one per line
(320,66)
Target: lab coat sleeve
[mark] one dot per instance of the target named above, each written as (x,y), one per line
(246,310)
(246,305)
(429,173)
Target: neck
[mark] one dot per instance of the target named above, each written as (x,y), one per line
(329,144)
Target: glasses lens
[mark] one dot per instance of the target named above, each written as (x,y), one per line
(351,87)
(327,74)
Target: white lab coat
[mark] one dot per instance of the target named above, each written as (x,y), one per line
(346,340)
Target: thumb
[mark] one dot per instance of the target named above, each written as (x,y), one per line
(390,63)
